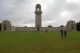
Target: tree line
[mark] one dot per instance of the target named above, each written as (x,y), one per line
(78,26)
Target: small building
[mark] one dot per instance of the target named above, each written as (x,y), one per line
(71,25)
(6,25)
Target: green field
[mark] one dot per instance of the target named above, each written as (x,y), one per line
(39,42)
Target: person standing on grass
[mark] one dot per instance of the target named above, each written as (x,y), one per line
(38,27)
(46,30)
(65,32)
(61,33)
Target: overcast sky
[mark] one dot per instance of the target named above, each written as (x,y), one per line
(55,12)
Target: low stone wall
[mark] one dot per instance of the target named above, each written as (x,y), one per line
(26,29)
(43,29)
(49,29)
(35,29)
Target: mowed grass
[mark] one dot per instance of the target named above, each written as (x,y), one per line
(39,42)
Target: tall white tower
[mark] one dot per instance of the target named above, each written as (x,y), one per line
(38,12)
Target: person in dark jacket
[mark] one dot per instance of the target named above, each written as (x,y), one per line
(46,30)
(62,33)
(65,32)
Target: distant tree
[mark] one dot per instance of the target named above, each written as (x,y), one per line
(25,26)
(62,26)
(78,26)
(50,26)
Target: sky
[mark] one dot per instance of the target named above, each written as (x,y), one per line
(55,12)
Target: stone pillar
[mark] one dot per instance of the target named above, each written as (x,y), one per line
(38,12)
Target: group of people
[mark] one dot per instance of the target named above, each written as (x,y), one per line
(63,33)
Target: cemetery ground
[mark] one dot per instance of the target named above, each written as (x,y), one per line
(39,42)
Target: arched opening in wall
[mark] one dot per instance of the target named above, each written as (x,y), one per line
(5,27)
(72,28)
(38,9)
(38,27)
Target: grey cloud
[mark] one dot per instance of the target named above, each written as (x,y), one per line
(21,12)
(12,9)
(61,6)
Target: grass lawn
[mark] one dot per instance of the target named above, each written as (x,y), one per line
(39,42)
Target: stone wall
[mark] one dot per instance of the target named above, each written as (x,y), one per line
(13,28)
(26,29)
(35,29)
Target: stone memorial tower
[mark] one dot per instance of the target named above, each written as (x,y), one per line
(38,12)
